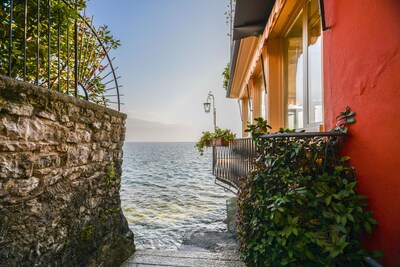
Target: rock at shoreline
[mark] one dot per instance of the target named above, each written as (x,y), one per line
(213,241)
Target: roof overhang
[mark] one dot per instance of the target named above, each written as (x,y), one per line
(251,16)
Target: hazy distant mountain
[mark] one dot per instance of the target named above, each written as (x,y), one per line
(148,131)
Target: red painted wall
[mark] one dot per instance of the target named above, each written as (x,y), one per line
(362,70)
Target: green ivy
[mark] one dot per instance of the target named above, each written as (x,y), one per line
(111,175)
(225,74)
(86,234)
(300,208)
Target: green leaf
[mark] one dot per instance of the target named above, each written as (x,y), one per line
(377,254)
(341,228)
(328,200)
(295,231)
(351,120)
(350,217)
(271,233)
(367,227)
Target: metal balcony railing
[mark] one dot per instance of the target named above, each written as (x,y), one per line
(232,163)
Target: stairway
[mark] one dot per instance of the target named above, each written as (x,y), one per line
(165,258)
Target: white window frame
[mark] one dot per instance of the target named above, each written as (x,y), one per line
(306,124)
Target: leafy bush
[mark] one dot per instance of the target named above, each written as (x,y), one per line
(299,207)
(207,138)
(91,53)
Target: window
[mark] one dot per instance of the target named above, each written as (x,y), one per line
(302,68)
(261,86)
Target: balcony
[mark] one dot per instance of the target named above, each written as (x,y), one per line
(232,163)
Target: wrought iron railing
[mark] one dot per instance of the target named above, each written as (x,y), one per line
(231,164)
(53,44)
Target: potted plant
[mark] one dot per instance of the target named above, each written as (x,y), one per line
(222,137)
(218,138)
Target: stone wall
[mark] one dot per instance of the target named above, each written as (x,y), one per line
(60,175)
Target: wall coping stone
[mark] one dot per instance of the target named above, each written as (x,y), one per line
(7,84)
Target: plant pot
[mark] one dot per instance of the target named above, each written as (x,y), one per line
(209,143)
(219,141)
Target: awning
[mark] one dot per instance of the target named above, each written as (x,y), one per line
(251,17)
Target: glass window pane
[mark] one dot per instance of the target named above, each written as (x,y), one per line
(264,108)
(260,84)
(314,64)
(294,64)
(250,110)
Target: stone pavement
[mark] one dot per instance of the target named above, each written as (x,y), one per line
(165,258)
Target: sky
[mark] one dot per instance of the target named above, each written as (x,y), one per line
(172,54)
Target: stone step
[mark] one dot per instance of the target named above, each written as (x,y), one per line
(183,258)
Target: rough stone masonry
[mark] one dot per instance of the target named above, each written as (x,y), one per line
(60,176)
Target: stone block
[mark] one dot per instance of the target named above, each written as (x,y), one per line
(52,179)
(106,117)
(64,118)
(42,172)
(46,115)
(70,124)
(101,136)
(7,146)
(47,161)
(115,136)
(15,165)
(84,136)
(25,146)
(72,111)
(24,187)
(96,125)
(97,155)
(107,126)
(78,155)
(105,144)
(62,147)
(11,128)
(72,137)
(80,126)
(17,109)
(116,120)
(22,128)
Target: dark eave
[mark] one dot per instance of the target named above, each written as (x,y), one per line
(234,55)
(250,19)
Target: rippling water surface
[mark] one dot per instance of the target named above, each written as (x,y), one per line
(168,189)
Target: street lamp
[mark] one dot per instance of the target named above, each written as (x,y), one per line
(207,107)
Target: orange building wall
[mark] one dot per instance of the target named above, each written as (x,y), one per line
(362,70)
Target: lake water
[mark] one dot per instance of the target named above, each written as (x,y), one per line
(168,189)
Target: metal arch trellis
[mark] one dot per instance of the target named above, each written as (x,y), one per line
(87,71)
